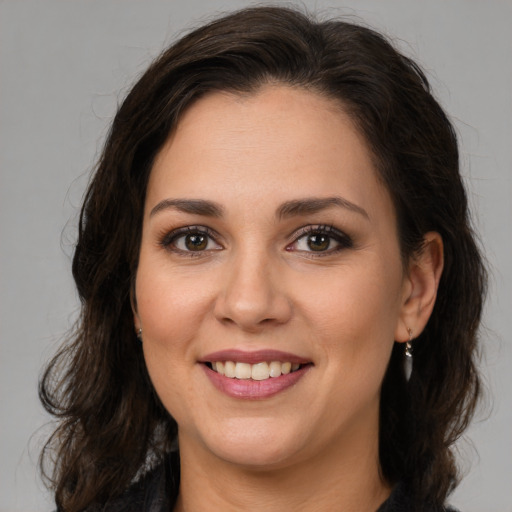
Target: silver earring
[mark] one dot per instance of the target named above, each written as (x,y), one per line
(139,334)
(408,357)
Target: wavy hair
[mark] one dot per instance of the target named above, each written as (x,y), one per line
(111,424)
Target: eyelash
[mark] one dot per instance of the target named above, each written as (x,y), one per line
(344,241)
(169,239)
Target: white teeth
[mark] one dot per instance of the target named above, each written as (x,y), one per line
(258,371)
(229,369)
(275,369)
(286,368)
(243,371)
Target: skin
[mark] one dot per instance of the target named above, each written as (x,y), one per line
(258,285)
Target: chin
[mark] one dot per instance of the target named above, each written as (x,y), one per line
(254,443)
(257,458)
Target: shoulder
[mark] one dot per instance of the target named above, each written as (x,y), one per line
(400,501)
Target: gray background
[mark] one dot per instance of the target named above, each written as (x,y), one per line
(64,65)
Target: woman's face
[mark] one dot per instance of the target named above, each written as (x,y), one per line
(268,244)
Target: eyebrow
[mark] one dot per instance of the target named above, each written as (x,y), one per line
(295,207)
(310,205)
(193,206)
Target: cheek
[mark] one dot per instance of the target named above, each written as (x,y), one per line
(354,299)
(353,314)
(170,308)
(170,305)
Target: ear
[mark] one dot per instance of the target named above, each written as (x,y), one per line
(420,288)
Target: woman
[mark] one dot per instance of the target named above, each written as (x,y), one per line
(280,288)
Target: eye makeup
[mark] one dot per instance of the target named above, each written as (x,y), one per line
(314,240)
(320,240)
(191,241)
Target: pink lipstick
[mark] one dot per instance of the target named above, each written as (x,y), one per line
(254,375)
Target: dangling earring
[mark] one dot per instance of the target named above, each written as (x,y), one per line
(139,334)
(408,357)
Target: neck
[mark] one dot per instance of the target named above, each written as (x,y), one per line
(342,478)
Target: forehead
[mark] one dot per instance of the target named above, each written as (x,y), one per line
(277,142)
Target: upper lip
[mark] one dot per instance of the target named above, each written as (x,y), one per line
(257,356)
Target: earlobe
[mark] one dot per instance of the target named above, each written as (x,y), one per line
(420,287)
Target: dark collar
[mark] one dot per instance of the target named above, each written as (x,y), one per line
(157,491)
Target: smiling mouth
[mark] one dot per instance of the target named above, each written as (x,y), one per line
(259,371)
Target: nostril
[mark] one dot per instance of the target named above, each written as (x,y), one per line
(251,302)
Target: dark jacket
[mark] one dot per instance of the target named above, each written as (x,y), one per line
(157,492)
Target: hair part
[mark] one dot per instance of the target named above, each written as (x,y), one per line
(111,421)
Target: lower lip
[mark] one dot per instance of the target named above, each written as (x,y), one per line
(249,389)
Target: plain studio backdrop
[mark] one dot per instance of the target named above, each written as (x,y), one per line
(65,65)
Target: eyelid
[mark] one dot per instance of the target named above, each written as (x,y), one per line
(344,240)
(169,237)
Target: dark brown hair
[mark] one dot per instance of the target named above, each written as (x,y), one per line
(111,422)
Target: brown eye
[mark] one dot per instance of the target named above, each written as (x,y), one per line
(322,240)
(196,242)
(318,241)
(191,239)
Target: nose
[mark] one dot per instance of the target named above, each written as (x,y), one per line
(252,295)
